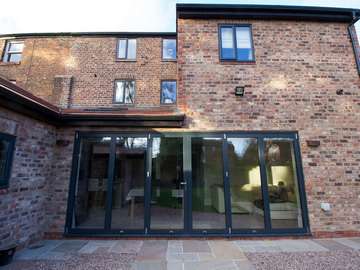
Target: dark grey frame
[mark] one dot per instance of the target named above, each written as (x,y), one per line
(126,50)
(168,104)
(6,53)
(233,26)
(4,181)
(188,231)
(162,50)
(114,92)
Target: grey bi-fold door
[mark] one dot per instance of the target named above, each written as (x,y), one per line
(231,183)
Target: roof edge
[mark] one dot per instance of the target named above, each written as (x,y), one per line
(278,12)
(91,34)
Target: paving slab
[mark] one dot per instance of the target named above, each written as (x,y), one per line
(182,257)
(331,244)
(300,246)
(127,246)
(70,246)
(213,265)
(349,242)
(153,250)
(244,265)
(196,246)
(226,250)
(34,253)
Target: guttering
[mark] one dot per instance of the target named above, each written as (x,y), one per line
(355,39)
(90,34)
(265,12)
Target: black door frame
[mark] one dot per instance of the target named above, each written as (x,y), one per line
(187,174)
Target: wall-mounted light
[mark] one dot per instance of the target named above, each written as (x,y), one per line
(239,91)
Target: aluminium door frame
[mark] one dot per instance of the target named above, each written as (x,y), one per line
(187,230)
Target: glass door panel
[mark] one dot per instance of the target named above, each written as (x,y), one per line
(208,201)
(91,185)
(167,184)
(247,206)
(284,200)
(128,185)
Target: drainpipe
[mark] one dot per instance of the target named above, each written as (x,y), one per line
(354,40)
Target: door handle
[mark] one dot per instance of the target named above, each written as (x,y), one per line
(182,183)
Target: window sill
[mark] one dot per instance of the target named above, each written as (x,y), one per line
(125,60)
(234,62)
(169,60)
(9,63)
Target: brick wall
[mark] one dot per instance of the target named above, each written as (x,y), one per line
(293,85)
(91,61)
(23,205)
(42,60)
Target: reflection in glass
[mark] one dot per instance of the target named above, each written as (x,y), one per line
(4,149)
(167,191)
(168,92)
(169,48)
(245,184)
(285,209)
(208,203)
(91,188)
(128,185)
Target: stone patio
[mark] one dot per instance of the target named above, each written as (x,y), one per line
(222,254)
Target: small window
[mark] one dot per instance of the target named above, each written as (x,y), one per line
(126,49)
(236,43)
(7,143)
(13,51)
(124,92)
(169,49)
(168,92)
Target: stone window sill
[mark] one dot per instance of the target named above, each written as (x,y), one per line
(10,63)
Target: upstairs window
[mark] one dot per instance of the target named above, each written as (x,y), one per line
(126,49)
(124,92)
(7,144)
(168,92)
(169,49)
(13,51)
(236,43)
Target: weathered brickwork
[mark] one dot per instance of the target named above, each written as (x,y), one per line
(23,205)
(92,63)
(42,59)
(293,85)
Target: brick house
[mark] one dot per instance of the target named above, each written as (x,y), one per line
(243,122)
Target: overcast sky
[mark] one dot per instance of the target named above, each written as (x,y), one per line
(113,15)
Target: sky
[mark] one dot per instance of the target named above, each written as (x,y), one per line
(29,16)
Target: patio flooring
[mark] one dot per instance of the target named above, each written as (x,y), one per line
(222,254)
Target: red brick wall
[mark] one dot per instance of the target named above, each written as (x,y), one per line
(91,61)
(292,86)
(23,205)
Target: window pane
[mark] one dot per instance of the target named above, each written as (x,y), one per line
(122,48)
(208,201)
(243,44)
(131,54)
(91,188)
(129,87)
(15,57)
(285,209)
(227,43)
(128,185)
(169,48)
(245,184)
(119,92)
(168,92)
(16,47)
(4,149)
(167,189)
